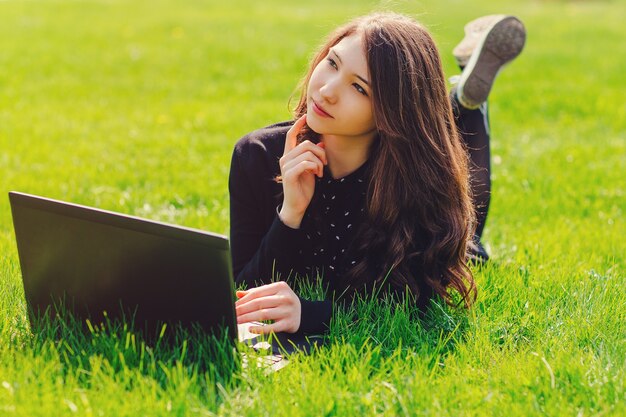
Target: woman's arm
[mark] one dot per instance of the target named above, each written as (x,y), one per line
(263,253)
(262,247)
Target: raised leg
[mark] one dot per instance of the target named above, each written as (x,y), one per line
(474,128)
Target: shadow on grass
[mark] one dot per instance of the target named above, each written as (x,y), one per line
(170,355)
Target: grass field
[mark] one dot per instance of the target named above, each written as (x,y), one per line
(134,106)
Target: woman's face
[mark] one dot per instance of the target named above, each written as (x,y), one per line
(339,95)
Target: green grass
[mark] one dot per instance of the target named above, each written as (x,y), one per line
(134,106)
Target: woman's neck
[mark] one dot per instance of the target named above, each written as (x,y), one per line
(346,155)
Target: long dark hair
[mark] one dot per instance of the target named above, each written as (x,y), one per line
(419,215)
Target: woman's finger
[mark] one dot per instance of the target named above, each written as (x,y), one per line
(275,313)
(305,166)
(261,291)
(292,134)
(306,146)
(308,156)
(260,303)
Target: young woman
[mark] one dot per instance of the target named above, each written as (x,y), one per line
(369,186)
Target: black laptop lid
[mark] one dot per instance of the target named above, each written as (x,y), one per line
(98,260)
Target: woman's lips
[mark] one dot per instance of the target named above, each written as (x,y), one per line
(320,111)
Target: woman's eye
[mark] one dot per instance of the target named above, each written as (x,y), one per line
(360,89)
(332,62)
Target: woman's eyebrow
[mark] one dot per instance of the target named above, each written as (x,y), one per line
(340,61)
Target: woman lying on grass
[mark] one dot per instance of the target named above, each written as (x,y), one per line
(369,187)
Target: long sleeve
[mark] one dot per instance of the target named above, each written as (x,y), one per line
(262,247)
(315,316)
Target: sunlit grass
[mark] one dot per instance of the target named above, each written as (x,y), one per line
(135,106)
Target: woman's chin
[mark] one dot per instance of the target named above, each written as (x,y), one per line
(313,124)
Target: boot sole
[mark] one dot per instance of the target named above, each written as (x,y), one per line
(502,43)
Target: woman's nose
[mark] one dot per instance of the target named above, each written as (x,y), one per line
(329,91)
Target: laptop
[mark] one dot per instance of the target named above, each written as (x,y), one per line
(105,263)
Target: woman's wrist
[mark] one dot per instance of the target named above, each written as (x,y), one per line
(290,218)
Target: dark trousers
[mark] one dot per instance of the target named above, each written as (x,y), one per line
(474,128)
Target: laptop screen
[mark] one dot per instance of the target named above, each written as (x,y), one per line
(101,261)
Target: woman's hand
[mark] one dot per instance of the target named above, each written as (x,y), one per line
(298,167)
(276,302)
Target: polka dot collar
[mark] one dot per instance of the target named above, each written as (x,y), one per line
(357,176)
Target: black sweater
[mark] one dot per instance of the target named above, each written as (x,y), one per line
(264,249)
